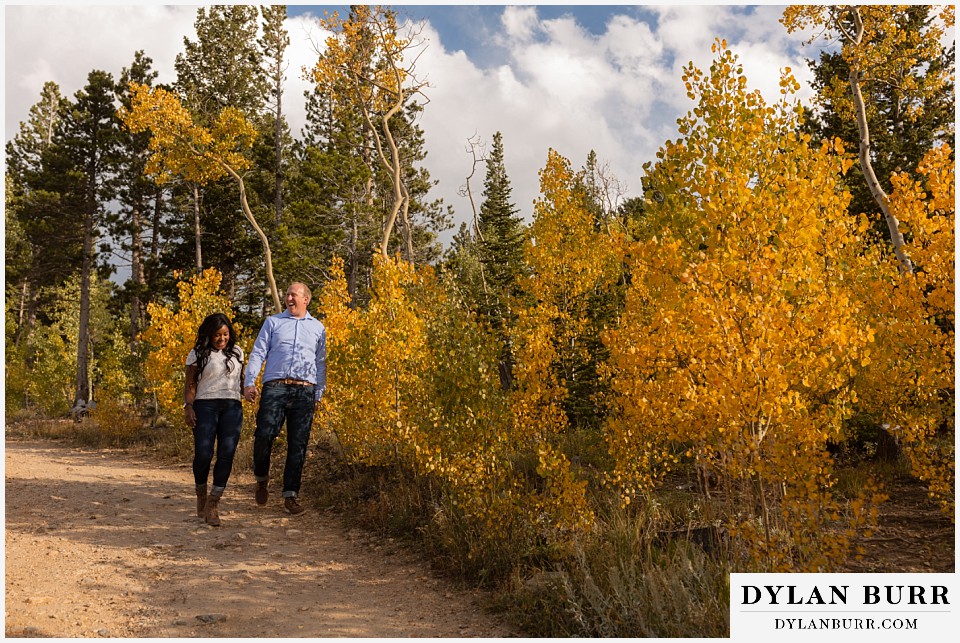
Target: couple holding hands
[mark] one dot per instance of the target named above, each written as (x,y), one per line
(292,350)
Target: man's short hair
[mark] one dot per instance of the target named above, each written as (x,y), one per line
(306,288)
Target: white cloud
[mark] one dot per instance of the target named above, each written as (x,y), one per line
(64,43)
(762,44)
(520,23)
(562,88)
(556,84)
(306,41)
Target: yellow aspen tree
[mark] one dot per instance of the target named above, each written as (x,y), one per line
(739,339)
(383,360)
(570,259)
(181,147)
(418,389)
(876,49)
(910,381)
(372,69)
(171,334)
(339,319)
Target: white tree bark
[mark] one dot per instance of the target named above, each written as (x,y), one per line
(866,164)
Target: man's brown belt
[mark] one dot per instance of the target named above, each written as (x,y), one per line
(290,381)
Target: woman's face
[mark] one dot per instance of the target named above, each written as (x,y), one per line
(220,338)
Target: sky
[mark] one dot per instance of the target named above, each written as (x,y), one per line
(573,78)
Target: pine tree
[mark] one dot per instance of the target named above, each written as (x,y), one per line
(24,152)
(274,43)
(142,202)
(34,200)
(86,143)
(331,196)
(900,132)
(223,68)
(501,231)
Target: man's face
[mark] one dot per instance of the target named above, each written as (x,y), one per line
(297,300)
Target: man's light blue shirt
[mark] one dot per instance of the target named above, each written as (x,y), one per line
(292,348)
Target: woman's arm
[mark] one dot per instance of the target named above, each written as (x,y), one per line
(189,395)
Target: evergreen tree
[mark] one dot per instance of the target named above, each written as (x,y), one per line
(499,248)
(331,197)
(86,146)
(901,130)
(498,240)
(25,151)
(35,206)
(501,230)
(223,68)
(18,255)
(143,206)
(274,43)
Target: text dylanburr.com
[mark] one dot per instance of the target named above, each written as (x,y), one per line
(844,607)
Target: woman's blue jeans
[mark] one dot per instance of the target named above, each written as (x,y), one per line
(217,421)
(279,402)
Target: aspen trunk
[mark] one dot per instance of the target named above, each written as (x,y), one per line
(866,164)
(354,263)
(393,164)
(155,232)
(278,159)
(267,256)
(407,230)
(136,274)
(196,227)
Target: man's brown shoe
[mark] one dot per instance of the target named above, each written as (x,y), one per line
(262,493)
(292,506)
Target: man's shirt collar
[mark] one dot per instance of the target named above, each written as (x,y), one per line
(286,313)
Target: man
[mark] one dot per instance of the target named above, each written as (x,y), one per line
(292,348)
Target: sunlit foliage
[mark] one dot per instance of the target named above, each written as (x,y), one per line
(740,339)
(172,332)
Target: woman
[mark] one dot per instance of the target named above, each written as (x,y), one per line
(211,405)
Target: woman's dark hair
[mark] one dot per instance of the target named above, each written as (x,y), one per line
(204,343)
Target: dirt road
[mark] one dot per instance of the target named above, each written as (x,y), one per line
(103,544)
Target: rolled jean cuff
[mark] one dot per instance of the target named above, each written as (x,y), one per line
(289,494)
(216,491)
(262,478)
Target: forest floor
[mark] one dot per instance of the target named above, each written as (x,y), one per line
(107,543)
(913,535)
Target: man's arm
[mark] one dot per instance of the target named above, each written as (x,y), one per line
(321,364)
(255,360)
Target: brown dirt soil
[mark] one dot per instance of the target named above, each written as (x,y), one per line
(913,536)
(108,544)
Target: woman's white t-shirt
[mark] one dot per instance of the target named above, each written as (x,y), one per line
(215,382)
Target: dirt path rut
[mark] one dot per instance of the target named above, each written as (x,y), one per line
(104,544)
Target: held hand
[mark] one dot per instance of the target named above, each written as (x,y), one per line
(190,417)
(250,393)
